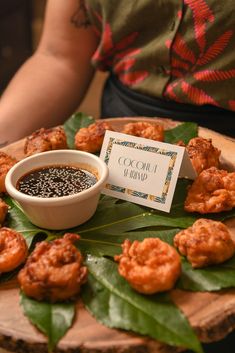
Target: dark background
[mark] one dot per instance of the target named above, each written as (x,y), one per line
(20,27)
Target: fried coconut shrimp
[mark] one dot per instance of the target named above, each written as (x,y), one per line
(3,211)
(212,191)
(152,131)
(54,271)
(45,140)
(13,249)
(207,242)
(6,162)
(90,139)
(202,154)
(149,266)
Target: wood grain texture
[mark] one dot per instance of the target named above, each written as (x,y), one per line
(212,315)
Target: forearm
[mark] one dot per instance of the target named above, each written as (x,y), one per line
(51,84)
(41,98)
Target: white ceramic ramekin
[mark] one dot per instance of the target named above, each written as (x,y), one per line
(58,212)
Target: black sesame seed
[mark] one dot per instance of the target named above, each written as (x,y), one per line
(56,181)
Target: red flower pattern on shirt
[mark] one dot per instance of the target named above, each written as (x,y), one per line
(194,56)
(185,63)
(119,56)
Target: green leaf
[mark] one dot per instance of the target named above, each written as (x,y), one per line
(101,244)
(74,123)
(51,319)
(112,301)
(17,220)
(183,132)
(114,217)
(164,235)
(212,278)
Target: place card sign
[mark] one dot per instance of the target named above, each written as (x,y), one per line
(144,171)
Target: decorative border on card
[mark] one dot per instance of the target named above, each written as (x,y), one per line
(171,154)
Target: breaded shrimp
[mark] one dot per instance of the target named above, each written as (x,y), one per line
(207,242)
(202,154)
(3,211)
(211,192)
(13,249)
(54,270)
(6,162)
(149,266)
(90,139)
(152,131)
(45,140)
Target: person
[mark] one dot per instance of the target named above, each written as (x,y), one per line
(172,58)
(51,83)
(169,59)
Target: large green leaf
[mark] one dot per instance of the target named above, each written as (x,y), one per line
(74,123)
(110,298)
(17,220)
(115,217)
(52,319)
(212,278)
(183,132)
(102,244)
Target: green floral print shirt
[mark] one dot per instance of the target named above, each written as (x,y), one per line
(181,50)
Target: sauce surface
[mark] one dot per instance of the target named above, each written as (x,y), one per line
(55,181)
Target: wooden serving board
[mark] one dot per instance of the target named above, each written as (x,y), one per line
(212,315)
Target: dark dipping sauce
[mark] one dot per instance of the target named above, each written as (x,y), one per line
(55,181)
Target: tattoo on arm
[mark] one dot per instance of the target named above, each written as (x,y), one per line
(80,17)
